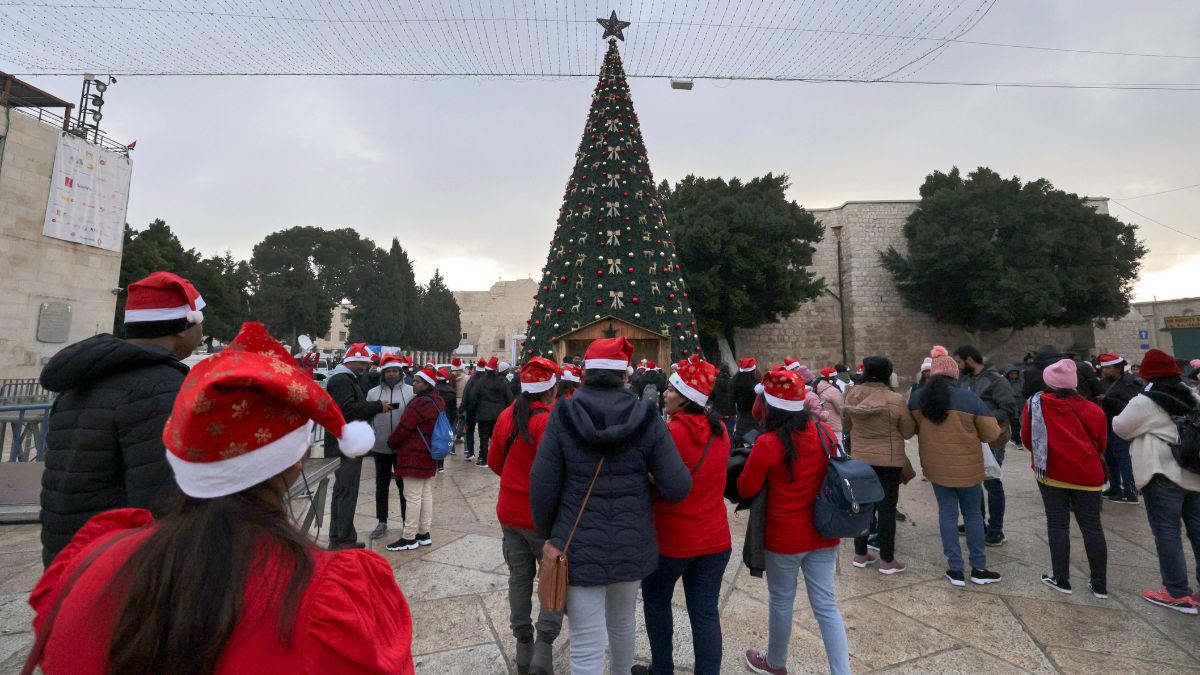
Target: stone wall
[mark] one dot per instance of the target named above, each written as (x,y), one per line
(490,318)
(35,268)
(877,322)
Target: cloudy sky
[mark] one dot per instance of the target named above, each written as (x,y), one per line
(468,173)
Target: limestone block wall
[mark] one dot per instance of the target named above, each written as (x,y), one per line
(1122,336)
(35,268)
(496,314)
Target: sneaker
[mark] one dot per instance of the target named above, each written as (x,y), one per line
(995,539)
(480,462)
(983,577)
(468,456)
(1129,499)
(955,577)
(379,530)
(1110,492)
(1098,590)
(757,662)
(441,469)
(639,670)
(403,545)
(424,539)
(864,560)
(901,516)
(344,545)
(962,530)
(1162,598)
(1060,586)
(894,567)
(873,542)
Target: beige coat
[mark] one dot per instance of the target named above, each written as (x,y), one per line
(876,420)
(1150,431)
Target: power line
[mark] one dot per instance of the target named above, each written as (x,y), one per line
(1155,194)
(1156,222)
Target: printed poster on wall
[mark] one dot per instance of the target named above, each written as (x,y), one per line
(89,193)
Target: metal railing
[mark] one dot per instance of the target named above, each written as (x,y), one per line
(45,116)
(23,430)
(23,390)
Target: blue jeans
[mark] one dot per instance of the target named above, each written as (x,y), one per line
(1166,505)
(818,581)
(702,588)
(730,423)
(970,501)
(1120,465)
(995,499)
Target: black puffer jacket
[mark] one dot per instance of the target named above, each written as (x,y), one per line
(615,540)
(1089,386)
(491,395)
(104,447)
(345,388)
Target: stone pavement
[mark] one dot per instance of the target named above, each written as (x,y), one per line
(912,622)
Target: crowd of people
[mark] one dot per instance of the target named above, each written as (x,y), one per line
(166,532)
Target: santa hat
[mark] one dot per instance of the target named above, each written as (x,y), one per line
(828,371)
(926,364)
(791,364)
(492,363)
(650,365)
(571,373)
(245,415)
(695,380)
(859,370)
(392,361)
(539,375)
(610,354)
(481,364)
(784,389)
(1157,363)
(429,375)
(1111,360)
(357,352)
(443,374)
(163,296)
(456,363)
(747,365)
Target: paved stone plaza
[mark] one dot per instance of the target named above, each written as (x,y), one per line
(912,622)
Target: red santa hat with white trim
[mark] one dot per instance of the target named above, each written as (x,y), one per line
(429,375)
(492,363)
(163,296)
(539,375)
(695,380)
(609,354)
(392,361)
(747,365)
(456,363)
(1111,360)
(791,364)
(571,373)
(784,389)
(246,414)
(357,352)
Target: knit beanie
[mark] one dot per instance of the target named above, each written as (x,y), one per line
(1157,364)
(943,363)
(1061,375)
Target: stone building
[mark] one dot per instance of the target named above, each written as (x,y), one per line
(339,329)
(67,288)
(490,319)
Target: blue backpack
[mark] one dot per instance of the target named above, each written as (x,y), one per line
(848,494)
(441,441)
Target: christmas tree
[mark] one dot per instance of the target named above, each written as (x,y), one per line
(611,254)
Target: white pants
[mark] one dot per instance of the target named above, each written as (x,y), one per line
(418,492)
(600,614)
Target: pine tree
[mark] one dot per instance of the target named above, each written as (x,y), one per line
(611,253)
(439,315)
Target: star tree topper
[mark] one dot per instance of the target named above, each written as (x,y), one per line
(613,26)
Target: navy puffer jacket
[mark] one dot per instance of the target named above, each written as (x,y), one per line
(615,540)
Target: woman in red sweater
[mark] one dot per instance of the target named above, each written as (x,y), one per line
(414,463)
(224,582)
(789,459)
(693,534)
(1066,435)
(514,444)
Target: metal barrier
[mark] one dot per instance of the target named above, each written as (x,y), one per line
(23,390)
(28,423)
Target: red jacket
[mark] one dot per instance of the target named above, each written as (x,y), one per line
(352,617)
(1076,439)
(412,454)
(697,525)
(512,506)
(790,495)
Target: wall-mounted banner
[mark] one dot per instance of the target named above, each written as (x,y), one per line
(89,193)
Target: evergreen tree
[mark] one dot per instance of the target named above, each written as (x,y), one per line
(611,253)
(402,267)
(439,316)
(378,310)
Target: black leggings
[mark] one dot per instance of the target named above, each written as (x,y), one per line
(1085,504)
(385,465)
(485,438)
(885,514)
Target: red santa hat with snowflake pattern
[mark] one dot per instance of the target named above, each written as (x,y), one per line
(571,373)
(784,389)
(695,380)
(357,352)
(246,414)
(539,375)
(163,296)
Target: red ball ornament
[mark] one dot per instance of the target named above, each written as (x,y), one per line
(684,293)
(634,298)
(562,278)
(538,322)
(678,324)
(599,301)
(545,287)
(559,310)
(686,351)
(599,273)
(630,269)
(670,296)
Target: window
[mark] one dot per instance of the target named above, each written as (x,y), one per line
(342,337)
(464,336)
(500,343)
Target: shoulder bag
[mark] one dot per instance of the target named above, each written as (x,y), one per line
(553,572)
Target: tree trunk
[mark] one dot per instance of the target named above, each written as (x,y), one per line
(725,345)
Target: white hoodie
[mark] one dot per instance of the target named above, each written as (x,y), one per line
(1149,430)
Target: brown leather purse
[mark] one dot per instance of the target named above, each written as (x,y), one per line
(552,572)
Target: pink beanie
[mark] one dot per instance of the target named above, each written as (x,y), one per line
(944,365)
(1061,375)
(804,373)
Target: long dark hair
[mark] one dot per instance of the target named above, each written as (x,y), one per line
(782,423)
(715,426)
(183,586)
(935,405)
(521,408)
